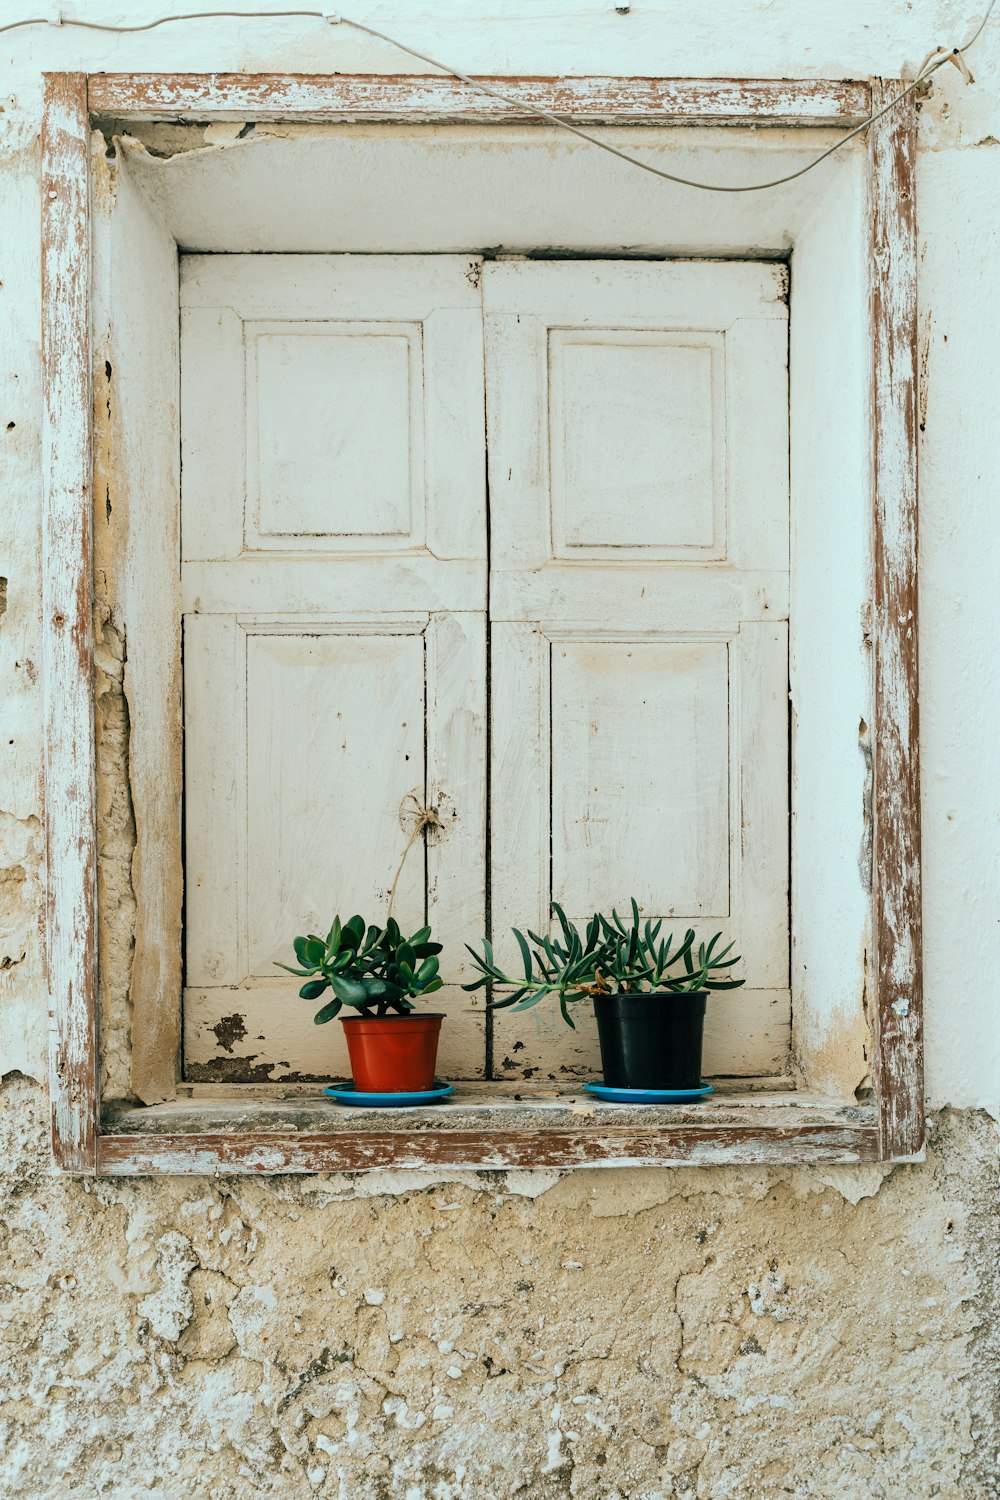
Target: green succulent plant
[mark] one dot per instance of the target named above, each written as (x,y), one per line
(609,958)
(374,969)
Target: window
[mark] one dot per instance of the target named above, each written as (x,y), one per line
(338,617)
(678,350)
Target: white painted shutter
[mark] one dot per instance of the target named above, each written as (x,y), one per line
(638,477)
(334,587)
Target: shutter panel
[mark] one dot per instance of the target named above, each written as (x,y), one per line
(638,467)
(334,586)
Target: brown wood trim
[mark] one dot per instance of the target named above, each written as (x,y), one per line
(897,962)
(354,1151)
(427,97)
(67,622)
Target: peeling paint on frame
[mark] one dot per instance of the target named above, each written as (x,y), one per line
(66,599)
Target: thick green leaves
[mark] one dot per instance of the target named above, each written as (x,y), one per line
(313,989)
(327,1013)
(533,998)
(350,991)
(374,969)
(377,970)
(525,953)
(406,962)
(614,958)
(507,1000)
(354,931)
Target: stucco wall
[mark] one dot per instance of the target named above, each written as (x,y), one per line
(643,1334)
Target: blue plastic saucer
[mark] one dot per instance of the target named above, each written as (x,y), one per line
(648,1096)
(346,1093)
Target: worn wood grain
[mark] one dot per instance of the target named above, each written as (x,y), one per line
(67,624)
(475,1106)
(701,1145)
(650,101)
(897,967)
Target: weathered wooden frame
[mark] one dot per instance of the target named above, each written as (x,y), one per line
(891,1127)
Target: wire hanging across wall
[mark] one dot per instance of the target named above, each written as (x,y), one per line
(936,58)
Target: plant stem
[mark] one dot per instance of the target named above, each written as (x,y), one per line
(428,818)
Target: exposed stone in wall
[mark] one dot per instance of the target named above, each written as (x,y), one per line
(619,1335)
(116,829)
(20,839)
(115,848)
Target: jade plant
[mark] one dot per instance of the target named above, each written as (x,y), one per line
(374,969)
(609,958)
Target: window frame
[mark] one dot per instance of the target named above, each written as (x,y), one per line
(891,1127)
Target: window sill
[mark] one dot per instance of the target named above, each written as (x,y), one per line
(483,1126)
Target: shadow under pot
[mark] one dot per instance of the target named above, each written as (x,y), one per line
(651,1041)
(393,1054)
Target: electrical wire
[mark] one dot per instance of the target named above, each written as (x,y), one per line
(940,56)
(198,15)
(935,59)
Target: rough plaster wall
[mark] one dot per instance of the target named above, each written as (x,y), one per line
(116,831)
(712,1333)
(621,1334)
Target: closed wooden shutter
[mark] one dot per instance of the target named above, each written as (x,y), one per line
(638,470)
(344,610)
(334,586)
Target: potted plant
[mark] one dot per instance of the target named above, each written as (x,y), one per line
(377,973)
(648,995)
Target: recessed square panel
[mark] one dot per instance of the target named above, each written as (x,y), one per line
(640,776)
(334,434)
(334,744)
(637,443)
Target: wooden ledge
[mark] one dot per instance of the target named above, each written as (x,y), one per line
(427,97)
(482,1127)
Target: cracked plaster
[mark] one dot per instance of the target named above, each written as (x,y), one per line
(616,1335)
(629,1335)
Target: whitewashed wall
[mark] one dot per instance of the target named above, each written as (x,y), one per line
(670,1333)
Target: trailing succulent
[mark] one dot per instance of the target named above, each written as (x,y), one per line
(374,969)
(611,958)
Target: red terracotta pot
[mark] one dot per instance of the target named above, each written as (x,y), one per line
(393,1054)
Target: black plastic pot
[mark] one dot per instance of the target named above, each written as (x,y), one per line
(651,1041)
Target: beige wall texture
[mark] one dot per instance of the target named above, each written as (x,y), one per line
(604,1335)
